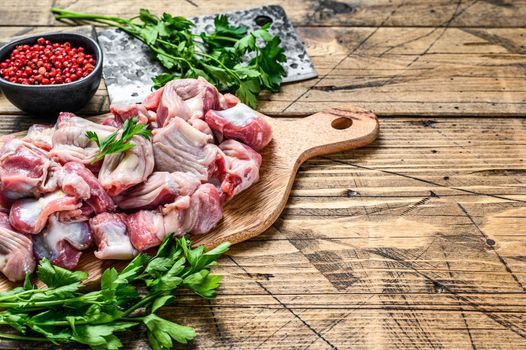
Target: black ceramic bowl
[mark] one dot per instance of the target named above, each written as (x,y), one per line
(51,99)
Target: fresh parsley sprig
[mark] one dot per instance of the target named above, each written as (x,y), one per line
(64,313)
(111,144)
(230,57)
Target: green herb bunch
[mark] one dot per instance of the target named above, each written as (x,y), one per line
(230,58)
(63,313)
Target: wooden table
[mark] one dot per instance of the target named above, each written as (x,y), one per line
(416,241)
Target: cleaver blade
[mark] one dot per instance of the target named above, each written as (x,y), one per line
(129,66)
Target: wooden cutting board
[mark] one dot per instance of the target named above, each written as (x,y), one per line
(255,210)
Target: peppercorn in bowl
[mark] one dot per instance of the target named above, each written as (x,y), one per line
(50,73)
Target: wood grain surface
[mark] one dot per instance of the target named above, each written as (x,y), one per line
(416,241)
(400,13)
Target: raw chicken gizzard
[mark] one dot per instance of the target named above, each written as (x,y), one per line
(58,202)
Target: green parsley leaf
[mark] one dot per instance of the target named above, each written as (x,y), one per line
(136,264)
(55,293)
(247,71)
(247,43)
(222,27)
(170,280)
(55,276)
(149,32)
(17,321)
(263,33)
(158,265)
(147,17)
(28,285)
(202,283)
(112,145)
(177,23)
(93,137)
(101,335)
(247,93)
(161,332)
(53,334)
(161,301)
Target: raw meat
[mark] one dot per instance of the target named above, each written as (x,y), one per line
(4,221)
(205,210)
(171,105)
(96,196)
(180,147)
(4,204)
(146,229)
(72,183)
(112,121)
(195,214)
(160,188)
(243,168)
(151,102)
(111,236)
(70,143)
(229,101)
(16,252)
(62,243)
(76,215)
(202,126)
(30,215)
(41,136)
(53,180)
(241,123)
(121,113)
(121,171)
(118,171)
(187,99)
(23,169)
(199,95)
(174,216)
(64,116)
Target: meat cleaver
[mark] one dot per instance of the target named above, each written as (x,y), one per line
(129,65)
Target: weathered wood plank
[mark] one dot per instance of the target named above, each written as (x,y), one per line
(488,13)
(393,71)
(411,71)
(27,13)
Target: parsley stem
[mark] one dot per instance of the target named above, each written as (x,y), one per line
(161,52)
(18,296)
(226,38)
(21,337)
(132,319)
(118,22)
(65,14)
(43,304)
(140,303)
(234,74)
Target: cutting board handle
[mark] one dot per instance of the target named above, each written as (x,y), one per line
(334,130)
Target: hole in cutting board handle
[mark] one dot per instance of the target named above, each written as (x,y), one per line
(341,123)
